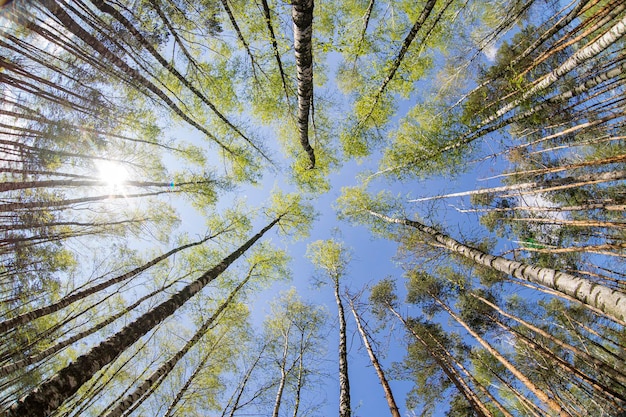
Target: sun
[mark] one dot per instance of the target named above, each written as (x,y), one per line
(111,173)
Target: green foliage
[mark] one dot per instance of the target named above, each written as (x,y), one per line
(475,312)
(293,335)
(329,256)
(296,214)
(416,148)
(355,203)
(382,296)
(460,407)
(269,264)
(69,106)
(423,287)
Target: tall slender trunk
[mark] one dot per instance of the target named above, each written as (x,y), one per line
(536,187)
(590,206)
(106,8)
(609,370)
(607,393)
(366,21)
(563,22)
(428,8)
(452,374)
(582,55)
(300,378)
(538,392)
(395,65)
(559,168)
(453,361)
(610,11)
(65,301)
(344,380)
(575,223)
(243,41)
(268,22)
(233,402)
(20,185)
(530,407)
(199,368)
(302,15)
(52,393)
(283,378)
(37,357)
(61,204)
(391,402)
(66,20)
(165,368)
(611,302)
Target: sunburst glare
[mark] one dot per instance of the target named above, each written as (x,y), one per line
(112,173)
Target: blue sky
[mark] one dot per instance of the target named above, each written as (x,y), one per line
(372,260)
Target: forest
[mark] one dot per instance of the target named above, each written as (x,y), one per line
(313,208)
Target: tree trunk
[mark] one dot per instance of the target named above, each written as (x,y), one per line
(452,375)
(608,393)
(165,369)
(37,357)
(283,378)
(66,20)
(234,400)
(551,403)
(344,380)
(179,396)
(559,168)
(393,408)
(106,8)
(608,249)
(243,41)
(610,11)
(300,378)
(302,15)
(590,206)
(50,394)
(366,21)
(536,187)
(20,185)
(584,54)
(574,223)
(61,204)
(611,302)
(453,361)
(428,8)
(563,22)
(609,370)
(67,300)
(268,22)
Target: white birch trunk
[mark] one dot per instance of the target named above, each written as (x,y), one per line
(611,302)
